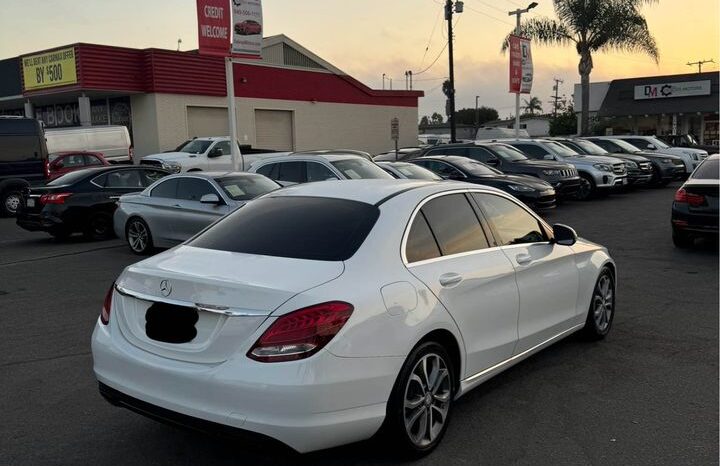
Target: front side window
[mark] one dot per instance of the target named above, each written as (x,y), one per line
(531,150)
(193,189)
(641,144)
(480,154)
(196,146)
(319,172)
(72,160)
(507,152)
(166,189)
(512,223)
(454,224)
(223,147)
(441,168)
(92,160)
(360,169)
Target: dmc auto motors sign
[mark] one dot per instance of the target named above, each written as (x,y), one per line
(214,27)
(521,65)
(667,90)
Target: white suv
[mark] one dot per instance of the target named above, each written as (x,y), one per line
(691,157)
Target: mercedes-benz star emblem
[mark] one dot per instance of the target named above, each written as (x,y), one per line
(165,288)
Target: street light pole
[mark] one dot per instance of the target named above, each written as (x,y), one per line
(451,92)
(477,115)
(517,14)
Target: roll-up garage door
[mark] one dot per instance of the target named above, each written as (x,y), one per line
(207,121)
(274,130)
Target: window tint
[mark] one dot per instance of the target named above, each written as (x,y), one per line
(441,168)
(708,170)
(449,151)
(152,176)
(318,172)
(512,223)
(270,170)
(480,154)
(421,244)
(291,172)
(167,189)
(415,172)
(531,150)
(193,189)
(124,179)
(507,152)
(71,161)
(314,228)
(92,160)
(74,177)
(357,168)
(641,144)
(605,144)
(195,146)
(246,187)
(454,224)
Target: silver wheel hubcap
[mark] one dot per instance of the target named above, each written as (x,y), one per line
(137,236)
(603,302)
(427,399)
(12,202)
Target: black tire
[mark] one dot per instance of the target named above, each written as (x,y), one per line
(394,431)
(139,246)
(681,239)
(597,327)
(587,188)
(99,227)
(10,200)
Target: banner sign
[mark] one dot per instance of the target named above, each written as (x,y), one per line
(214,27)
(49,69)
(666,90)
(521,65)
(247,27)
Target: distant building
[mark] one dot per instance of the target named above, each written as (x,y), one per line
(536,126)
(461,131)
(656,105)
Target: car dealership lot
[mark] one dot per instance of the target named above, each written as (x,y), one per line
(648,394)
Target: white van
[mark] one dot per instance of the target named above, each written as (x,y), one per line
(113,142)
(490,132)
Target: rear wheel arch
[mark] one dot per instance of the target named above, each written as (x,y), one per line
(447,340)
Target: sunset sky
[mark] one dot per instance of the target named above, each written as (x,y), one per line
(369,38)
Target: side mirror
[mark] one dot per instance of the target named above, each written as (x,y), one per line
(215,153)
(210,199)
(456,176)
(564,235)
(548,157)
(493,162)
(651,146)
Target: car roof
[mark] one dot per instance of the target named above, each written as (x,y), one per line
(393,163)
(446,158)
(297,156)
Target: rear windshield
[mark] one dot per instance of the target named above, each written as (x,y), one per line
(313,228)
(360,169)
(708,170)
(246,187)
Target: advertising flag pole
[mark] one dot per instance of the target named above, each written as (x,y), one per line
(232,119)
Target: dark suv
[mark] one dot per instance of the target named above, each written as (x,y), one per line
(562,176)
(23,160)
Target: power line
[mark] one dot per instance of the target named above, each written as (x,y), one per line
(490,5)
(432,34)
(488,15)
(433,62)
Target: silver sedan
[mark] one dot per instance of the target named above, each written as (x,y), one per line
(177,207)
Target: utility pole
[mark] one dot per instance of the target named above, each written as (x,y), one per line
(477,115)
(384,81)
(556,98)
(517,14)
(451,90)
(700,63)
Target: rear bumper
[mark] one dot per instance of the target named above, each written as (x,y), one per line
(691,222)
(39,222)
(316,403)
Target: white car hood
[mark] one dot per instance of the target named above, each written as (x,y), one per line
(168,156)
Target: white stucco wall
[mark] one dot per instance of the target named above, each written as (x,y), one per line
(160,122)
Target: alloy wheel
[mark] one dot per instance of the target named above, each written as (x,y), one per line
(137,236)
(427,399)
(603,303)
(585,189)
(12,202)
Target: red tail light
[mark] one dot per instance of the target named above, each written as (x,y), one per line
(54,198)
(693,200)
(107,306)
(131,153)
(46,168)
(301,333)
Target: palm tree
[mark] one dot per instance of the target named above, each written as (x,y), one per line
(592,26)
(531,105)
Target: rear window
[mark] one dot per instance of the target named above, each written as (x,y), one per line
(708,170)
(312,228)
(357,168)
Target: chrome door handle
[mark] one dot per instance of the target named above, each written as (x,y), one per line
(450,279)
(114,197)
(177,206)
(523,259)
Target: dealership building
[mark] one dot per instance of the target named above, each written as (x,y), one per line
(290,100)
(658,105)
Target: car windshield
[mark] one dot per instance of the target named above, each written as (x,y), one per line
(506,152)
(708,170)
(196,146)
(416,172)
(360,169)
(561,150)
(246,187)
(477,168)
(299,227)
(626,146)
(589,147)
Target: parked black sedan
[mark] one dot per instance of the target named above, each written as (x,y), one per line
(82,201)
(695,207)
(534,192)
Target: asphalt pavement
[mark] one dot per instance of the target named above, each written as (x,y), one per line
(646,395)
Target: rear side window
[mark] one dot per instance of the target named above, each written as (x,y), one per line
(166,189)
(421,244)
(292,172)
(454,224)
(312,228)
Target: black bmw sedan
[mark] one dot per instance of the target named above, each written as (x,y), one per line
(695,207)
(82,201)
(535,193)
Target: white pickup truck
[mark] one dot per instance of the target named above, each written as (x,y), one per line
(205,154)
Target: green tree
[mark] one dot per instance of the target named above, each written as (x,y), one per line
(466,116)
(564,124)
(436,118)
(591,26)
(532,105)
(424,121)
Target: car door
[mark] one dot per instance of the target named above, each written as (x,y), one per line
(448,250)
(112,185)
(546,273)
(192,215)
(159,211)
(219,157)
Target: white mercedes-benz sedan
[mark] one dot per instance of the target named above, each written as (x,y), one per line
(324,313)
